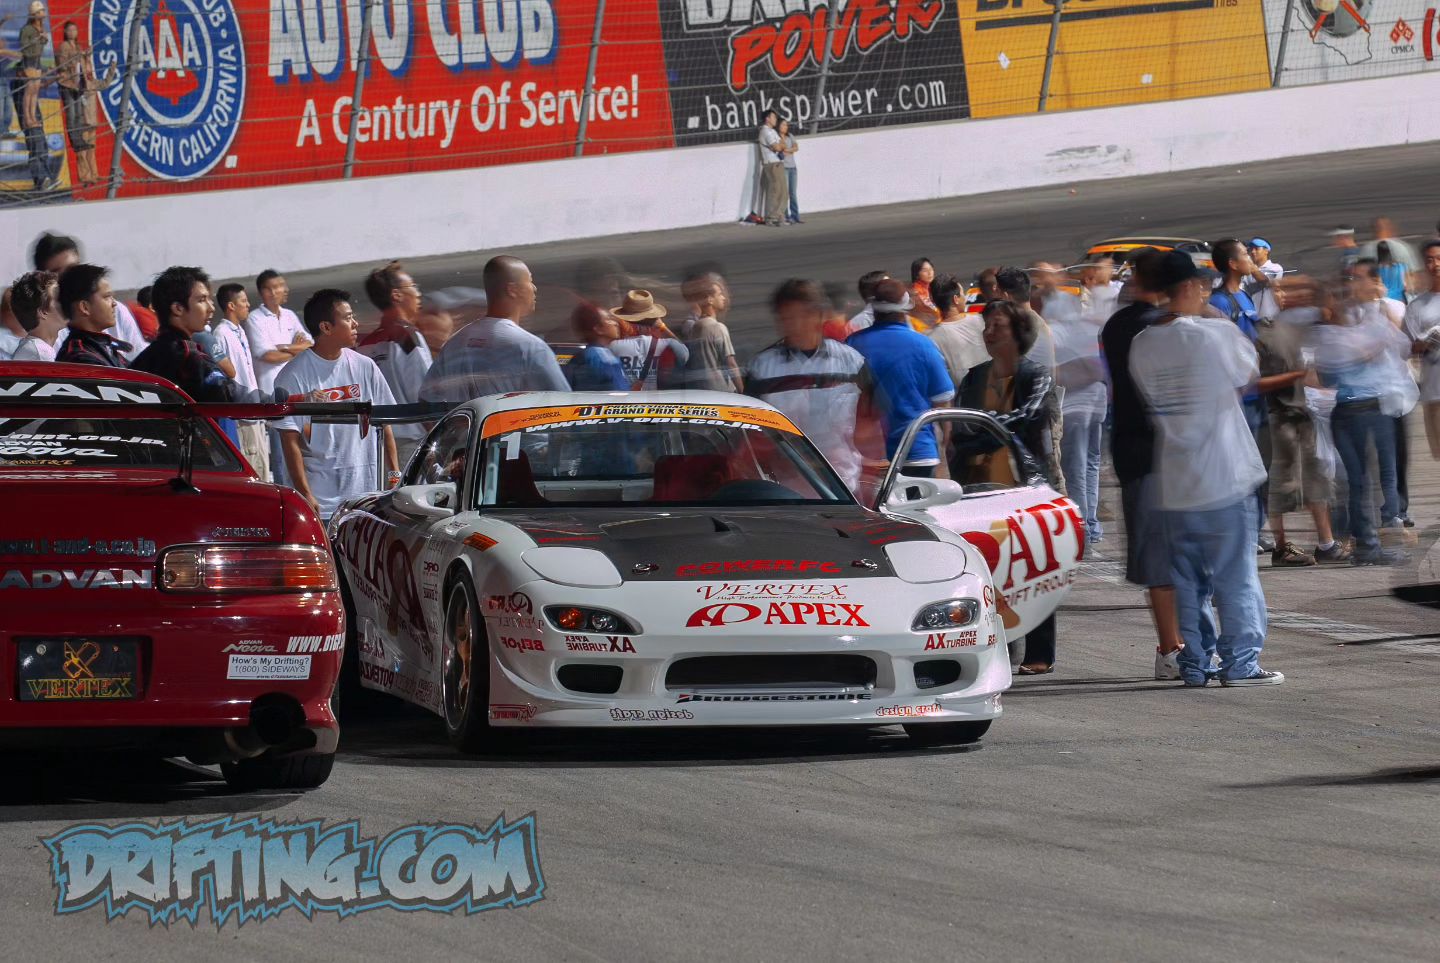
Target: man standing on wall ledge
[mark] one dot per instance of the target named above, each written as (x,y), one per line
(772,170)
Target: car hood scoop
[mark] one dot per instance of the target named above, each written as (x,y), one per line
(747,545)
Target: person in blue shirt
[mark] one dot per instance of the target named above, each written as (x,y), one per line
(1236,267)
(595,367)
(907,376)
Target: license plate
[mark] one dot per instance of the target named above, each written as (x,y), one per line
(78,670)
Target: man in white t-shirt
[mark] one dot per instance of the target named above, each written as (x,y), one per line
(34,299)
(494,355)
(1422,324)
(815,380)
(397,347)
(1191,370)
(329,463)
(232,307)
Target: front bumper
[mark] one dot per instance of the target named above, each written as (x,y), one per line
(747,676)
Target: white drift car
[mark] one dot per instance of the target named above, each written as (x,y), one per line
(661,559)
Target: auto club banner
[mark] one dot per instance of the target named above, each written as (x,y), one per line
(1110,52)
(825,64)
(1327,41)
(238,93)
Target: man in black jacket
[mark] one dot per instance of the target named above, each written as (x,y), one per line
(89,308)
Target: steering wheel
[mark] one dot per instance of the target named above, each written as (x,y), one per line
(754,490)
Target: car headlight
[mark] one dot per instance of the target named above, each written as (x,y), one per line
(572,618)
(950,614)
(247,569)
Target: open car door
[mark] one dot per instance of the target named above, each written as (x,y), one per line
(999,501)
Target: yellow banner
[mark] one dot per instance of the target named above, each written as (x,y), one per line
(1110,52)
(503,422)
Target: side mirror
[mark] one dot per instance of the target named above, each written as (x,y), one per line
(426,501)
(912,493)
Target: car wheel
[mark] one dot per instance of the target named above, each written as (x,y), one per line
(946,733)
(284,772)
(465,671)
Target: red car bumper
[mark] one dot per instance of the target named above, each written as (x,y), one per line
(213,680)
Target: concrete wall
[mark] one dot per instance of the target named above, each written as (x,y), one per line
(337,222)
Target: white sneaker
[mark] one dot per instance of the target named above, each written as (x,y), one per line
(1260,678)
(1167,666)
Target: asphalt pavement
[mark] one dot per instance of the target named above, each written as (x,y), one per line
(1106,816)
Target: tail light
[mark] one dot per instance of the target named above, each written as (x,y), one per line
(247,569)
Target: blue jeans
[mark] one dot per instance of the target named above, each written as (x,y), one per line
(790,174)
(1255,418)
(1080,461)
(1213,554)
(1355,426)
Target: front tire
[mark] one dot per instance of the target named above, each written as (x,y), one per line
(947,733)
(465,672)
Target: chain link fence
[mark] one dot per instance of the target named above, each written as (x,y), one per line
(221,94)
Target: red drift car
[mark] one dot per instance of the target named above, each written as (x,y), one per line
(153,592)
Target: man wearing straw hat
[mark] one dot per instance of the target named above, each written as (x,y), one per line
(649,347)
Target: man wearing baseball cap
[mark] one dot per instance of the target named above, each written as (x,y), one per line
(1190,370)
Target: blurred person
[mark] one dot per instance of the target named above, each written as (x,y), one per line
(495,354)
(1019,392)
(276,335)
(816,381)
(1046,297)
(1228,297)
(924,315)
(12,332)
(595,367)
(1132,452)
(328,463)
(1099,293)
(653,348)
(712,365)
(397,347)
(1190,369)
(959,336)
(837,317)
(792,173)
(907,376)
(56,253)
(1013,284)
(1394,273)
(988,285)
(1342,239)
(32,48)
(1400,251)
(34,298)
(1422,324)
(232,307)
(75,77)
(1370,301)
(867,284)
(1353,344)
(435,325)
(1080,373)
(1297,478)
(600,281)
(772,170)
(88,304)
(145,318)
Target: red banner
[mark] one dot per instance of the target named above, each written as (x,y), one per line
(235,94)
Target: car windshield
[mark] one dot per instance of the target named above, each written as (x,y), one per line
(70,442)
(629,455)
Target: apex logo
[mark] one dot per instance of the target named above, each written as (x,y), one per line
(780,613)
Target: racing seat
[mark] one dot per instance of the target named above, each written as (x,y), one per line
(689,478)
(515,487)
